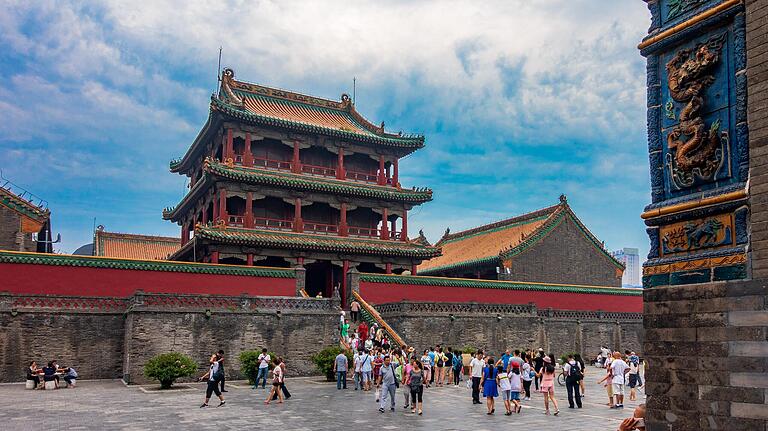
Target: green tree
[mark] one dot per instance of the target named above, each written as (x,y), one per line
(168,367)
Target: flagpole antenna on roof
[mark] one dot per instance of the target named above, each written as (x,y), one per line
(218,75)
(354,85)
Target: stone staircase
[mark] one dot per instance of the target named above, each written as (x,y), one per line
(371,316)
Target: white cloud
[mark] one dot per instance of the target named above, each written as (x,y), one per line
(478,75)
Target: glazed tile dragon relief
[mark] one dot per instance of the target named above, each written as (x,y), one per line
(695,150)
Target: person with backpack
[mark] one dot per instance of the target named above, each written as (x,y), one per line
(458,368)
(439,366)
(448,365)
(573,375)
(366,366)
(213,376)
(388,383)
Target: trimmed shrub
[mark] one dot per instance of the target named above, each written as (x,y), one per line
(325,358)
(469,349)
(249,363)
(168,367)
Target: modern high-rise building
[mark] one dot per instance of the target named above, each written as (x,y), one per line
(630,257)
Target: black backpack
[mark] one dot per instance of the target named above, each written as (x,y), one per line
(575,372)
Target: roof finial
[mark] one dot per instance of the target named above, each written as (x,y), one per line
(563,199)
(227,78)
(447,232)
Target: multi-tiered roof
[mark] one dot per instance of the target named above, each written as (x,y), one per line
(315,122)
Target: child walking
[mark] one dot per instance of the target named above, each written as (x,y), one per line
(515,387)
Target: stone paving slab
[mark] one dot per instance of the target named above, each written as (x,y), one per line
(109,405)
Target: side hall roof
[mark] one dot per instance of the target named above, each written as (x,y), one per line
(490,243)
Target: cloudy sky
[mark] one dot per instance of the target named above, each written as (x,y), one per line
(520,101)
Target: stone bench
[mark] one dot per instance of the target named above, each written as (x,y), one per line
(30,384)
(50,385)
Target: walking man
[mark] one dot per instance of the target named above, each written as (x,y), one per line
(387,381)
(618,369)
(340,368)
(223,374)
(264,360)
(476,367)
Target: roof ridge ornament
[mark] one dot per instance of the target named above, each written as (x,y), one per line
(227,79)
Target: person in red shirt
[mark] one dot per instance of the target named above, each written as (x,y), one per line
(363,330)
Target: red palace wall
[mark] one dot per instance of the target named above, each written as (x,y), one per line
(88,281)
(382,293)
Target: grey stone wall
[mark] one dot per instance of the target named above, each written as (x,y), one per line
(294,335)
(108,338)
(496,327)
(564,256)
(90,342)
(757,117)
(708,356)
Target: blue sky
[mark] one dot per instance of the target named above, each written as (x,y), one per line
(520,101)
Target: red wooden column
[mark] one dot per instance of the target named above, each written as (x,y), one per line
(384,227)
(184,234)
(413,269)
(223,206)
(298,223)
(393,226)
(296,165)
(215,204)
(214,257)
(395,174)
(229,152)
(249,256)
(382,175)
(343,293)
(249,210)
(340,173)
(247,154)
(343,228)
(205,214)
(388,268)
(404,227)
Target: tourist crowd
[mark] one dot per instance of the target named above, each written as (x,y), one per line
(377,366)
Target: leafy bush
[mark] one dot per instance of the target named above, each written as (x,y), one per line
(168,367)
(249,363)
(469,349)
(564,358)
(325,358)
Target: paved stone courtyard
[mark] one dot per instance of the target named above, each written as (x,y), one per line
(315,405)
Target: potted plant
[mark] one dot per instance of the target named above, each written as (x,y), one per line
(466,355)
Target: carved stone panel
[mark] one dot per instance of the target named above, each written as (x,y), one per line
(694,235)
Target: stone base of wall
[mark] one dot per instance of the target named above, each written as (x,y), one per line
(707,348)
(109,338)
(496,327)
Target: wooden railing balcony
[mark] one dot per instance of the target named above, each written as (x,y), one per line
(322,171)
(321,228)
(366,232)
(236,220)
(272,223)
(260,162)
(365,177)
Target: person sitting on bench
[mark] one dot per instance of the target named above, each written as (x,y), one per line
(49,374)
(70,376)
(33,374)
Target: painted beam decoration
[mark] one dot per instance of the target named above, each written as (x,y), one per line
(697,142)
